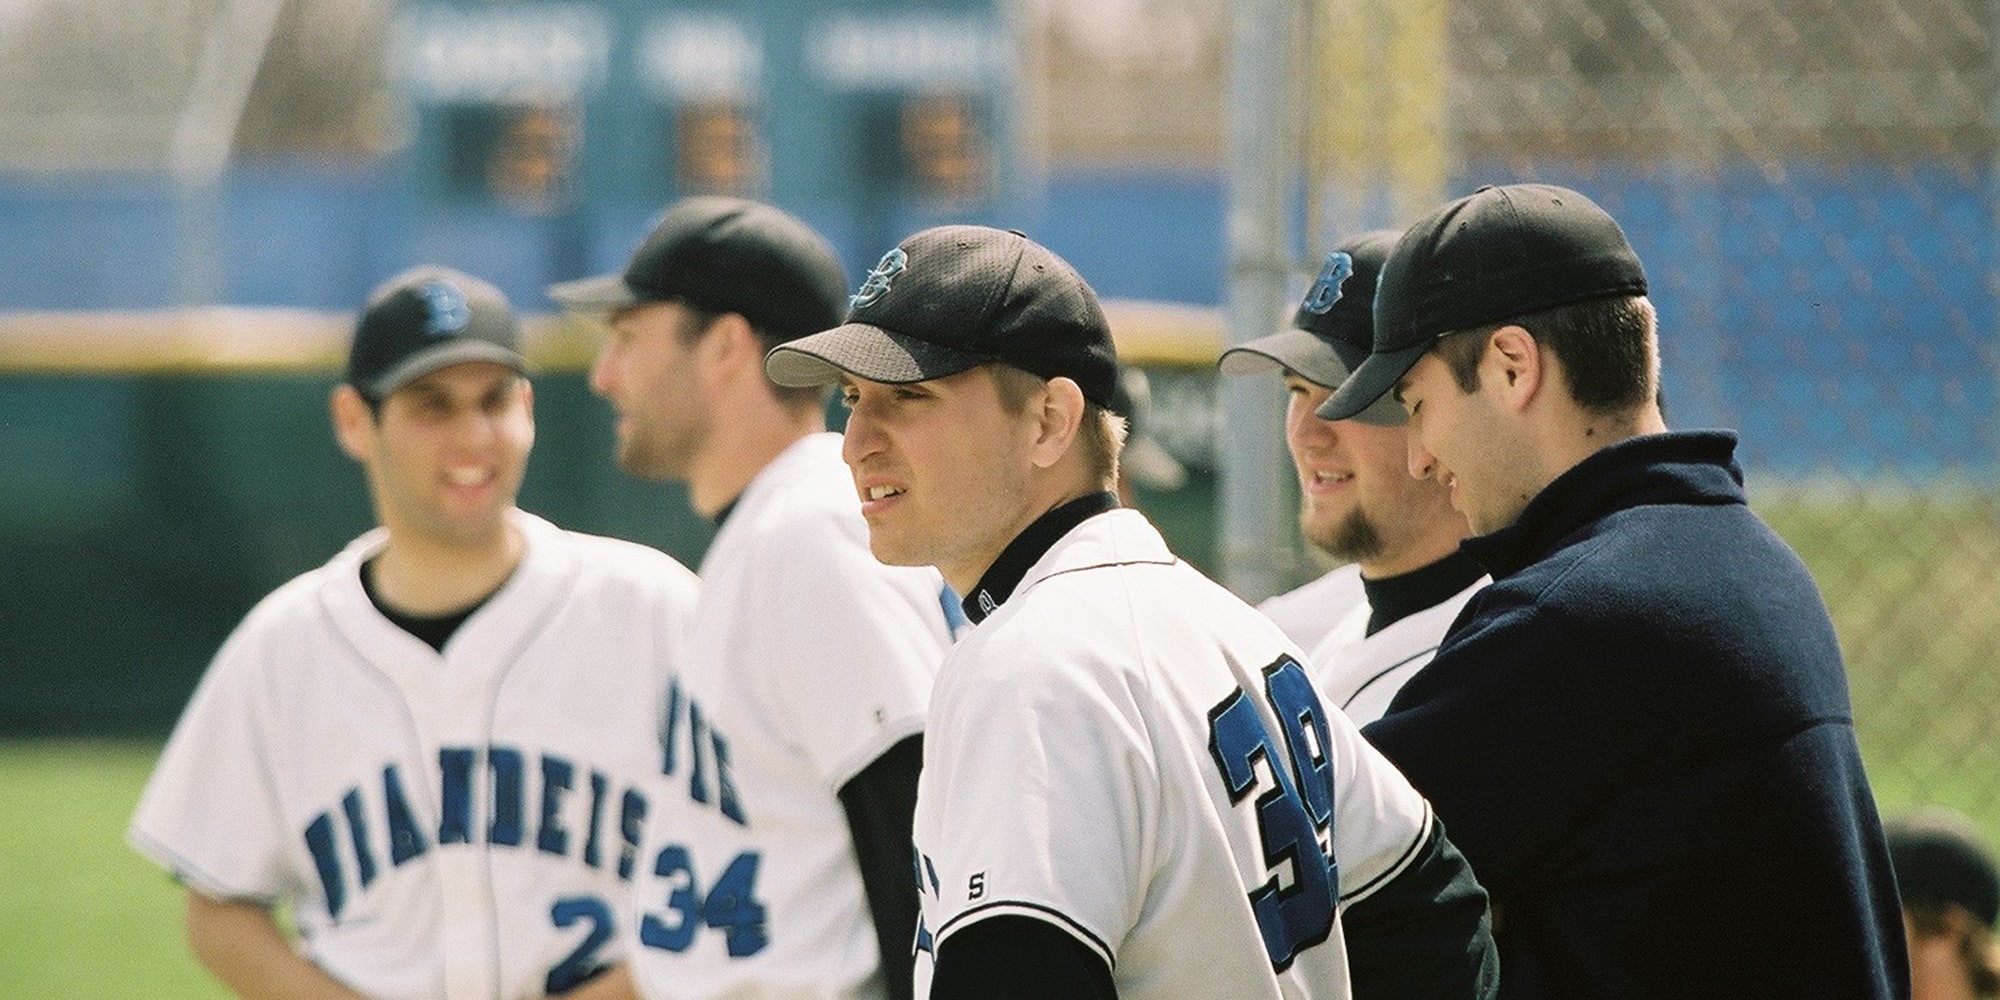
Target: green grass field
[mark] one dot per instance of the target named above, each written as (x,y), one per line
(1914,586)
(85,918)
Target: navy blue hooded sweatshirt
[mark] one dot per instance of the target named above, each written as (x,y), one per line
(1640,736)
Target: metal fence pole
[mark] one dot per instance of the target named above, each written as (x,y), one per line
(1256,530)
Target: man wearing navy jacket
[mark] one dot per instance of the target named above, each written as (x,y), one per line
(1639,734)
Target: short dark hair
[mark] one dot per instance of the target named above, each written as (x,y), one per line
(700,318)
(1606,347)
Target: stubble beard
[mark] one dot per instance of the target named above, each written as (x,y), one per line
(1353,539)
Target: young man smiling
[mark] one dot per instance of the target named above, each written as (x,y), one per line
(1357,501)
(438,749)
(1130,785)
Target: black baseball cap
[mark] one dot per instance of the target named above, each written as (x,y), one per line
(724,254)
(425,319)
(952,298)
(1334,328)
(1493,255)
(1940,860)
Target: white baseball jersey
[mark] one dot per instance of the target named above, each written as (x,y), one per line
(1361,673)
(459,825)
(1128,752)
(1309,612)
(809,659)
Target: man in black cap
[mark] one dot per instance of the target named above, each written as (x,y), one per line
(797,726)
(1951,901)
(434,750)
(1640,731)
(1357,501)
(1130,785)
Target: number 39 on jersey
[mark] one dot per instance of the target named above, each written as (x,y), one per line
(1294,807)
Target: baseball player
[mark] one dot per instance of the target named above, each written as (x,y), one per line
(1357,500)
(1130,785)
(781,866)
(437,750)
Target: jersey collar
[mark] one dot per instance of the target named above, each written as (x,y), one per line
(1021,554)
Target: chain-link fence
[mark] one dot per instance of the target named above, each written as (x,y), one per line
(1812,186)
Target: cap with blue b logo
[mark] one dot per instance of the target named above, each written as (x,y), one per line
(425,319)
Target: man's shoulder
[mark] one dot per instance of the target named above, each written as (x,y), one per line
(619,560)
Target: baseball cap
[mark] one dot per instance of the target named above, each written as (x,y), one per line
(1940,859)
(952,298)
(425,319)
(1493,255)
(724,254)
(1334,328)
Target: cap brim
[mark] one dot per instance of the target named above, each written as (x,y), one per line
(1370,384)
(1295,350)
(865,351)
(602,294)
(456,352)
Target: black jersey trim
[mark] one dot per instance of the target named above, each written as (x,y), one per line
(1386,671)
(1394,598)
(1038,911)
(1011,566)
(1426,830)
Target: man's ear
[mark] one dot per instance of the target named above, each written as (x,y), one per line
(353,422)
(1514,364)
(729,346)
(1059,416)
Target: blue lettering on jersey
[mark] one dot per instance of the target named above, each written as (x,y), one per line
(599,784)
(557,774)
(406,838)
(710,779)
(357,830)
(669,735)
(326,858)
(927,884)
(345,853)
(455,815)
(505,763)
(1295,905)
(631,828)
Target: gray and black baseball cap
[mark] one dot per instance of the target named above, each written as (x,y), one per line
(1334,328)
(724,254)
(425,319)
(951,298)
(1493,255)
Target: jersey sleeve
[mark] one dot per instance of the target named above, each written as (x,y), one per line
(209,813)
(1380,821)
(1051,790)
(858,659)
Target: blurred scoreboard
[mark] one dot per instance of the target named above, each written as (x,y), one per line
(549,107)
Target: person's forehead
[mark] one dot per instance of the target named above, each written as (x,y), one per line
(465,375)
(644,314)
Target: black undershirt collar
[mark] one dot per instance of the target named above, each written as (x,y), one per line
(1394,598)
(434,630)
(998,582)
(727,509)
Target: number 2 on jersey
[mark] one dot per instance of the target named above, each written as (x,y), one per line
(1295,812)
